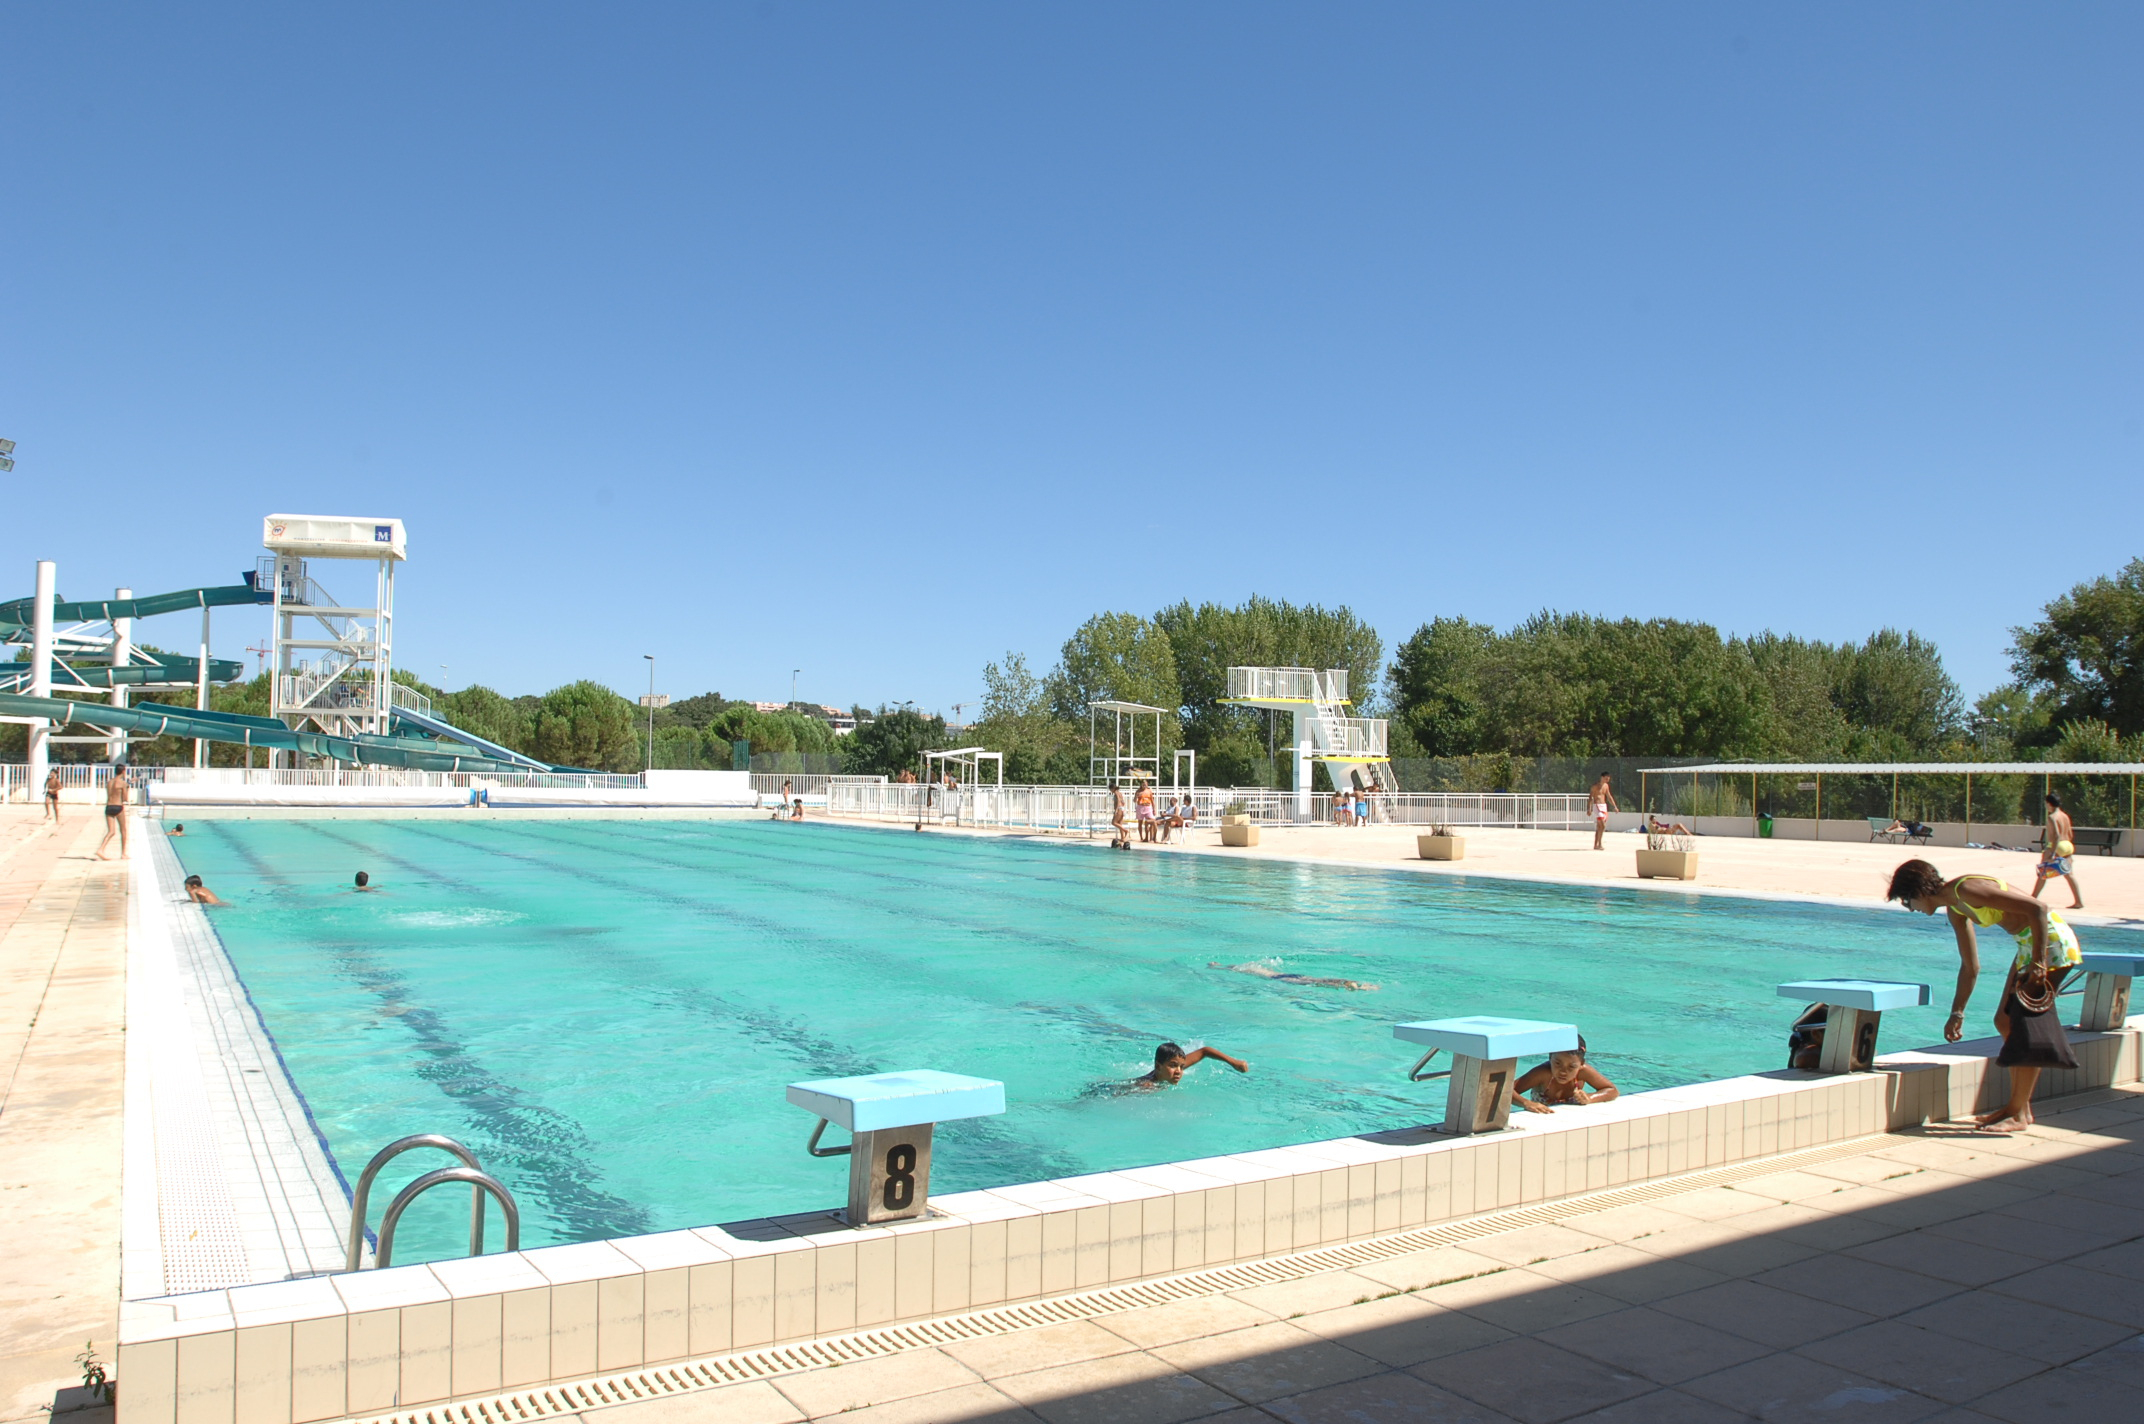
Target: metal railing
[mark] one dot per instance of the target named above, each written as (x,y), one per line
(1088,808)
(15,778)
(1348,736)
(801,783)
(1287,683)
(410,699)
(15,784)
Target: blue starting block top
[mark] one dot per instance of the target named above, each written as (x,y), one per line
(1872,995)
(2129,964)
(899,1099)
(1483,1036)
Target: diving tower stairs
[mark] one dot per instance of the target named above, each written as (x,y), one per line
(1352,749)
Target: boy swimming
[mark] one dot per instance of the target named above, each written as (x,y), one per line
(1170,1063)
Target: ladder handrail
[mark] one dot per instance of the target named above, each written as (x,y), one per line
(481,1181)
(358,1198)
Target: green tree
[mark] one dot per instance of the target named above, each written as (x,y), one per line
(586,725)
(1434,686)
(1039,747)
(485,713)
(891,742)
(2086,653)
(1117,657)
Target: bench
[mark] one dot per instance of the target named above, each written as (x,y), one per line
(1880,830)
(2095,838)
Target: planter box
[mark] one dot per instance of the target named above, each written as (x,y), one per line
(1441,847)
(1242,819)
(1667,865)
(1243,835)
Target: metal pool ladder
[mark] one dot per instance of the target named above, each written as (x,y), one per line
(471,1172)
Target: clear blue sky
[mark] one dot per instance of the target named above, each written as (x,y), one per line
(875,340)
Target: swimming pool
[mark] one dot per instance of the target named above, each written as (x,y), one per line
(608,1012)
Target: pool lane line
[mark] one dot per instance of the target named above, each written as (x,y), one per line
(1155,926)
(1305,1090)
(493,1105)
(1633,1065)
(1324,1003)
(987,1136)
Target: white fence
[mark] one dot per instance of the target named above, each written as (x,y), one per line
(1284,684)
(1087,808)
(15,778)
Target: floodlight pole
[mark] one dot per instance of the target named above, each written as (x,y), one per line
(651,713)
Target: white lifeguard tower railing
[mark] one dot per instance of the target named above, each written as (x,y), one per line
(332,662)
(1124,761)
(964,765)
(1352,748)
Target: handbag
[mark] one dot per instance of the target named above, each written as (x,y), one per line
(2033,990)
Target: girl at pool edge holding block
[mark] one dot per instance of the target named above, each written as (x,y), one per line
(1563,1079)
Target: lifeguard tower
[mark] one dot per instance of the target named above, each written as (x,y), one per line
(1123,761)
(332,661)
(1352,748)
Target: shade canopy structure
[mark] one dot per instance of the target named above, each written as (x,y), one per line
(959,760)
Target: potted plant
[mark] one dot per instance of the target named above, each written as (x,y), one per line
(1236,813)
(1236,827)
(1667,856)
(1441,844)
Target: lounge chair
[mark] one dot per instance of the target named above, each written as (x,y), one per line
(1880,830)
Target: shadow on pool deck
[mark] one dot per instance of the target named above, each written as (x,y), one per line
(1942,1269)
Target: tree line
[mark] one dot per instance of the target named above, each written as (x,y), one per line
(1555,685)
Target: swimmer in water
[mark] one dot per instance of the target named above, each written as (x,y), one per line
(1309,979)
(178,830)
(364,883)
(1170,1063)
(1565,1078)
(200,894)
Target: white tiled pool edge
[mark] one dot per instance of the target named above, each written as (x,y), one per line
(370,1342)
(224,1180)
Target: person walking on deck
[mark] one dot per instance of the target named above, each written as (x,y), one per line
(2058,852)
(52,795)
(115,812)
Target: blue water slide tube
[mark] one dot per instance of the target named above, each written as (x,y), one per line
(156,719)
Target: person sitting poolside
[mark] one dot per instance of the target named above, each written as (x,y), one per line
(1171,1062)
(1168,820)
(1311,980)
(1666,828)
(1565,1078)
(1905,828)
(200,894)
(796,809)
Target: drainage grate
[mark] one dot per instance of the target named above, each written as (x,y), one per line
(658,1381)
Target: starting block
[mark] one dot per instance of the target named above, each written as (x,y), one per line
(1857,1007)
(2106,990)
(1485,1053)
(889,1117)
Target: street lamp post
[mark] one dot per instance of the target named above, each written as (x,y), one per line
(793,688)
(651,711)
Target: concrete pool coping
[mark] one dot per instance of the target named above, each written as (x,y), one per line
(321,1347)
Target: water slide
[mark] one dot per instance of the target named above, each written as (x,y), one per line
(15,616)
(156,719)
(425,722)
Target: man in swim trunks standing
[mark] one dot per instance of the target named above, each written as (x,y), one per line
(115,812)
(1599,802)
(2058,852)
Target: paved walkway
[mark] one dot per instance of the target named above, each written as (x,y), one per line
(1850,871)
(62,968)
(1942,1275)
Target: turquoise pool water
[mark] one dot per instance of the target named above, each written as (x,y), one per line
(608,1012)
